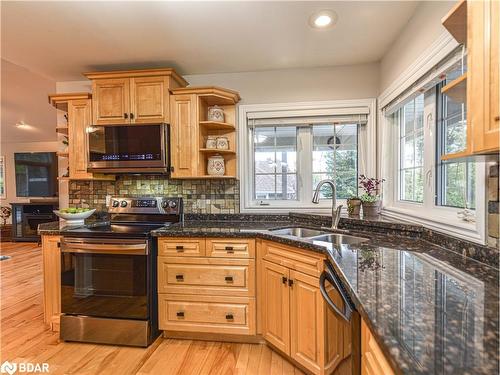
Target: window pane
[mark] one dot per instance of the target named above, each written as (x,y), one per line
(275,163)
(335,156)
(412,150)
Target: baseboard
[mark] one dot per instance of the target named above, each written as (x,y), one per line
(252,339)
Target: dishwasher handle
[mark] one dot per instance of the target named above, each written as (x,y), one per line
(345,315)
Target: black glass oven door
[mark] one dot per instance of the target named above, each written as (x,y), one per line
(108,280)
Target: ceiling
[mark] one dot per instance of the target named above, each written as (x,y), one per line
(62,39)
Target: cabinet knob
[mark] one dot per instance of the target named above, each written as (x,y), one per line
(229,317)
(497,118)
(284,279)
(131,116)
(179,277)
(290,283)
(180,314)
(125,115)
(229,279)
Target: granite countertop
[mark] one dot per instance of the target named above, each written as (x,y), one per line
(432,310)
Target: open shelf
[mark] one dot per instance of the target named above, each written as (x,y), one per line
(216,151)
(206,177)
(60,101)
(215,125)
(63,154)
(456,155)
(62,129)
(457,89)
(456,22)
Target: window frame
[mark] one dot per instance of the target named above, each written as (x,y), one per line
(366,157)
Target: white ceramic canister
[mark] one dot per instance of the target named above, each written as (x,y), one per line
(222,143)
(216,166)
(215,113)
(211,142)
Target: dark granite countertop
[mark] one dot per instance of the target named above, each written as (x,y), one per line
(432,310)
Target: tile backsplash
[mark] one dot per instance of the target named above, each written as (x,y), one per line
(200,196)
(493,209)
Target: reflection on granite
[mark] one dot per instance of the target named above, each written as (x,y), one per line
(431,310)
(54,228)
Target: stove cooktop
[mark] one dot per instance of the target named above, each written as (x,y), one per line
(114,230)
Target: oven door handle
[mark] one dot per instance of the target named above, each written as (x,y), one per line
(103,248)
(322,287)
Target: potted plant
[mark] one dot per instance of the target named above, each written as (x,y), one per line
(353,205)
(370,199)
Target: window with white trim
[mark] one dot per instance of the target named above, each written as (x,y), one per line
(289,151)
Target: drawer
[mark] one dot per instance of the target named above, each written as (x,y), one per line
(181,247)
(293,258)
(206,276)
(230,248)
(207,314)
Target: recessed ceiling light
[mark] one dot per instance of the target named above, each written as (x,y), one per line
(323,19)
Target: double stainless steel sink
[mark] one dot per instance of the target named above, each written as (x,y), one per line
(319,235)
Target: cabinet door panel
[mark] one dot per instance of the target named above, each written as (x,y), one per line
(275,306)
(51,255)
(79,115)
(306,321)
(184,136)
(149,99)
(111,98)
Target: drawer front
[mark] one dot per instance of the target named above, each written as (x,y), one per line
(215,279)
(207,314)
(181,247)
(293,258)
(230,248)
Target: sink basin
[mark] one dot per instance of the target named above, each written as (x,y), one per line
(339,239)
(298,232)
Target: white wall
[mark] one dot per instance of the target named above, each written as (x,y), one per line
(421,31)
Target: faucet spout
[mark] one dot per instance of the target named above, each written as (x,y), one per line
(335,209)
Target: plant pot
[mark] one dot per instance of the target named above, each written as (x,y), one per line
(353,207)
(371,209)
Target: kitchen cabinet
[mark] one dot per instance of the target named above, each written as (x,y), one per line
(51,265)
(134,96)
(206,286)
(295,318)
(477,24)
(373,361)
(189,121)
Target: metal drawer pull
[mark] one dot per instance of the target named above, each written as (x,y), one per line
(229,279)
(179,277)
(229,317)
(284,279)
(179,248)
(290,283)
(180,314)
(230,249)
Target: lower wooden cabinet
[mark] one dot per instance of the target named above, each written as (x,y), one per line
(51,255)
(295,319)
(373,361)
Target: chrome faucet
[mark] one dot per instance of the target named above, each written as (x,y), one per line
(335,209)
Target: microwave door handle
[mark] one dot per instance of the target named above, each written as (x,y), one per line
(348,311)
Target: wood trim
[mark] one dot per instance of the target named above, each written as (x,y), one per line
(60,101)
(219,337)
(51,264)
(456,22)
(457,89)
(232,95)
(138,73)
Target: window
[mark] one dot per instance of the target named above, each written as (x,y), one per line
(455,183)
(288,148)
(411,143)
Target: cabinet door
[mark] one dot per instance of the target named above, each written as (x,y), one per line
(276,306)
(149,99)
(184,136)
(51,255)
(483,75)
(373,361)
(79,116)
(306,322)
(111,101)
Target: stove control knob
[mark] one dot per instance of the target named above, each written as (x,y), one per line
(123,203)
(115,203)
(172,204)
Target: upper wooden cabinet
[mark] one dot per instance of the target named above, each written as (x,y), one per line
(477,24)
(190,128)
(134,96)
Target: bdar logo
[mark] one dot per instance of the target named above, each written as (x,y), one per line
(9,368)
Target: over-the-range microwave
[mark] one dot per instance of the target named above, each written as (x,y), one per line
(143,148)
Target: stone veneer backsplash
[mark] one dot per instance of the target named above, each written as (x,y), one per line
(200,196)
(493,209)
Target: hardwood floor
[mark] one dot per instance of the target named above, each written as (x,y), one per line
(25,338)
